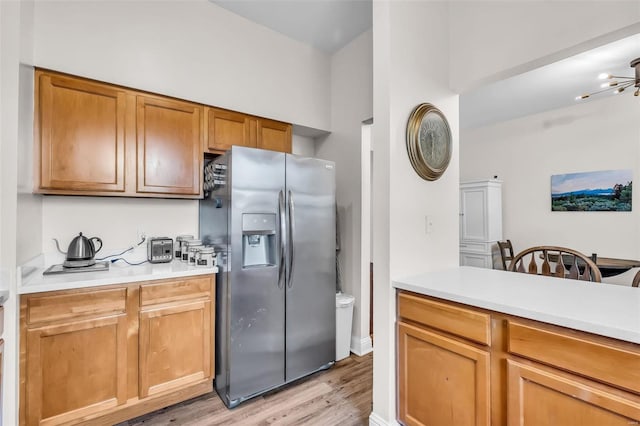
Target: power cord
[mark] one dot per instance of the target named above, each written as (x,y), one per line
(118,254)
(142,240)
(127,262)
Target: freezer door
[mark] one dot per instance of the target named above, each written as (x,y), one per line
(311,267)
(256,296)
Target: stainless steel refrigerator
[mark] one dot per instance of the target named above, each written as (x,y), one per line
(272,218)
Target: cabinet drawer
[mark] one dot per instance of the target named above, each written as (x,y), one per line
(474,247)
(69,305)
(602,362)
(175,290)
(459,321)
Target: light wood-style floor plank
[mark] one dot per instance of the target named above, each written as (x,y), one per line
(338,396)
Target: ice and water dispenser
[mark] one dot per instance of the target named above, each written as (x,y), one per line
(258,240)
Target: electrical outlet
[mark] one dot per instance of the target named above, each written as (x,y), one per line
(428,222)
(142,235)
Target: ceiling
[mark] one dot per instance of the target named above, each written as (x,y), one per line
(325,24)
(550,87)
(329,25)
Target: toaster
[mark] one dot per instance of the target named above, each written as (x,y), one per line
(160,250)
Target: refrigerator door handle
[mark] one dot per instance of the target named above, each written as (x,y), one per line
(292,227)
(283,241)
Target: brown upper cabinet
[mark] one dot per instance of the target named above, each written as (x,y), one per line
(274,135)
(80,126)
(226,128)
(94,138)
(169,141)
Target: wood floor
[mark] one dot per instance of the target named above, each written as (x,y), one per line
(338,396)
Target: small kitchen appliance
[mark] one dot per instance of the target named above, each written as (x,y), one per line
(79,257)
(81,251)
(160,250)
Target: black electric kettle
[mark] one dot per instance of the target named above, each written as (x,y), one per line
(80,252)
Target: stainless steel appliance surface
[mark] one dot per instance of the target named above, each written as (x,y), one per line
(271,217)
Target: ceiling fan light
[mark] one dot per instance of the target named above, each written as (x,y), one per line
(619,90)
(609,84)
(578,98)
(637,92)
(604,76)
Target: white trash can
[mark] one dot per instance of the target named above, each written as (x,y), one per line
(344,318)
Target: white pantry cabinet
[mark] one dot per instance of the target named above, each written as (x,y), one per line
(480,221)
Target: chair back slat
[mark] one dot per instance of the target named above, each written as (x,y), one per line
(574,272)
(564,262)
(533,266)
(546,267)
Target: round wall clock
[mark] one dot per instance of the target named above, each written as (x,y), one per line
(428,141)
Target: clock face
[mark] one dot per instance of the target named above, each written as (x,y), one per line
(433,141)
(428,141)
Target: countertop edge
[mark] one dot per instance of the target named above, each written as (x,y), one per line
(92,280)
(490,303)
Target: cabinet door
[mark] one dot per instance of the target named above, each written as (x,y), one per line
(80,127)
(175,346)
(473,218)
(441,381)
(75,369)
(539,397)
(274,135)
(169,143)
(227,128)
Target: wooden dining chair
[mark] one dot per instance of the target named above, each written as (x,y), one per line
(506,253)
(554,261)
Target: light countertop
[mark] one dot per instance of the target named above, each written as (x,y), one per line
(604,309)
(34,282)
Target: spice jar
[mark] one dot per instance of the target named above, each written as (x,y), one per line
(179,240)
(206,257)
(194,248)
(184,248)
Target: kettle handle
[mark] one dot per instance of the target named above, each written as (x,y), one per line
(97,239)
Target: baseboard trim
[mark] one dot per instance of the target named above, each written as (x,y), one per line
(361,346)
(377,420)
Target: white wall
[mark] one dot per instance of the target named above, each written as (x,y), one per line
(411,66)
(303,145)
(419,50)
(351,103)
(15,45)
(501,38)
(115,220)
(193,50)
(602,134)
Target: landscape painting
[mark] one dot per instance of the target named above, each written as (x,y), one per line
(607,190)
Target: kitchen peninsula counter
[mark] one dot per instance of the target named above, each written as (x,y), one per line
(34,282)
(603,309)
(489,347)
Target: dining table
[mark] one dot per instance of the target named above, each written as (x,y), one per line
(608,266)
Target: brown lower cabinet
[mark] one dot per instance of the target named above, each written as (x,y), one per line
(461,365)
(104,355)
